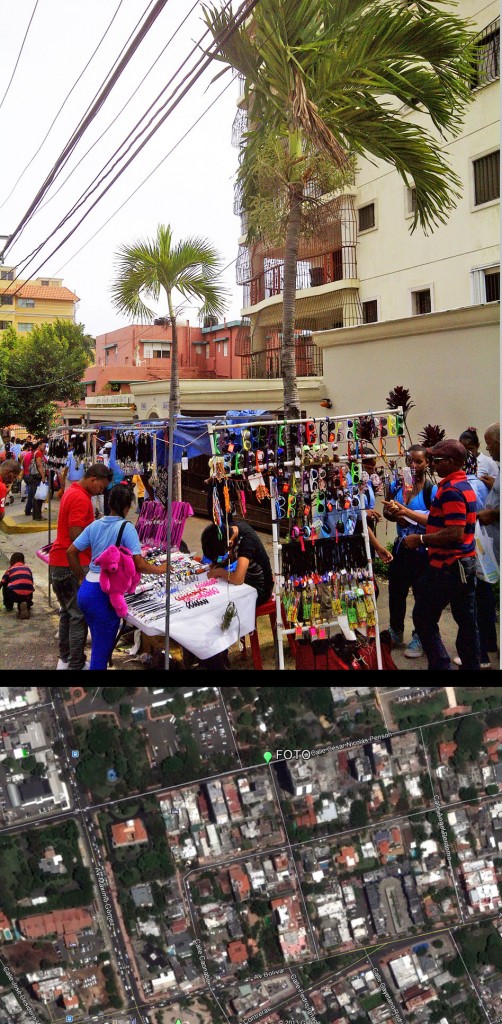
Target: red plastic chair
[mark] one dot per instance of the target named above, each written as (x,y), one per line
(269,608)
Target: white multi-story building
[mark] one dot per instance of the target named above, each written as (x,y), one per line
(376,305)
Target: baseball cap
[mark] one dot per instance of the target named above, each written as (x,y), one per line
(448,449)
(107,445)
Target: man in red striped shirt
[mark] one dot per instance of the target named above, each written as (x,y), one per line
(17,586)
(451,576)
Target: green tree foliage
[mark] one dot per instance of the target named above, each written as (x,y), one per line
(469,739)
(152,266)
(40,368)
(358,814)
(326,80)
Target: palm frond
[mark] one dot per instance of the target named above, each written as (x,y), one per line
(400,396)
(431,435)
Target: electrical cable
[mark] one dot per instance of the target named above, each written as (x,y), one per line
(107,129)
(51,126)
(241,16)
(152,172)
(19,55)
(97,181)
(87,120)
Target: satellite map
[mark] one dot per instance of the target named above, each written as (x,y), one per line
(215,855)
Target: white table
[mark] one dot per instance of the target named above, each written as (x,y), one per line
(199,629)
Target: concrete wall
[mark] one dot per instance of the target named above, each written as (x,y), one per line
(449,361)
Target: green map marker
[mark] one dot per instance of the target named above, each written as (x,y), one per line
(268,756)
(179,1021)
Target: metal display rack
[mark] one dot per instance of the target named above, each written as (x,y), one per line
(388,426)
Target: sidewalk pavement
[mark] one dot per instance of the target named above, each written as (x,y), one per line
(31,645)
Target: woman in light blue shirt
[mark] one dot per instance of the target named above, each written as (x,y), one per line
(101,618)
(410,511)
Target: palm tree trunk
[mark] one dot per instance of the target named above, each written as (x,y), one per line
(174,392)
(288,357)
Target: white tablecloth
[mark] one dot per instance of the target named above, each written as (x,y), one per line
(199,629)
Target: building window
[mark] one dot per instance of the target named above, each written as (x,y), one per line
(45,284)
(366,216)
(157,350)
(225,348)
(370,311)
(26,303)
(219,348)
(411,201)
(485,284)
(4,324)
(487,56)
(198,350)
(207,351)
(6,300)
(492,285)
(421,301)
(7,275)
(109,352)
(486,178)
(23,328)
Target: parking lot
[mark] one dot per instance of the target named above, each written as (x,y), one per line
(211,730)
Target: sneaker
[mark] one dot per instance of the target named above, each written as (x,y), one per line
(414,648)
(62,664)
(396,638)
(484,665)
(24,611)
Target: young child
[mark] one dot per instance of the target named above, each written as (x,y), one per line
(140,490)
(17,586)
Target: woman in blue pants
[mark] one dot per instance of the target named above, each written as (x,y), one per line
(101,618)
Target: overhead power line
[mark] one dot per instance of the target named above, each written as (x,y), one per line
(101,176)
(241,16)
(121,111)
(19,54)
(89,117)
(140,186)
(53,122)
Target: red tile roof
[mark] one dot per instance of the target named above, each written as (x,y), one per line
(447,750)
(129,832)
(37,291)
(60,922)
(493,735)
(237,952)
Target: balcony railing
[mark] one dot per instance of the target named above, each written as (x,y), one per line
(268,364)
(487,56)
(333,266)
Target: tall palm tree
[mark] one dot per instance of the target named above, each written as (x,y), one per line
(341,77)
(191,267)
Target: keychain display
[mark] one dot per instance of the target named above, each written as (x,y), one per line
(318,492)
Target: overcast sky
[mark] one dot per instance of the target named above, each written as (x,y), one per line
(192,190)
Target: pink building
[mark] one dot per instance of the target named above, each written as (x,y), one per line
(143,352)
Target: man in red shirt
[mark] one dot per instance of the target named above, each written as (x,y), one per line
(9,471)
(451,576)
(75,513)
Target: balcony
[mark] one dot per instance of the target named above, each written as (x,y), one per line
(337,265)
(267,365)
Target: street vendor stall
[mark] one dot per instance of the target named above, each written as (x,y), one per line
(311,473)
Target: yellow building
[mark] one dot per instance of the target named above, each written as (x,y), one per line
(26,304)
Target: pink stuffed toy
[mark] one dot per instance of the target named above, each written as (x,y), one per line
(118,576)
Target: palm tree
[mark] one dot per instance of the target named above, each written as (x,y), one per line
(340,76)
(149,266)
